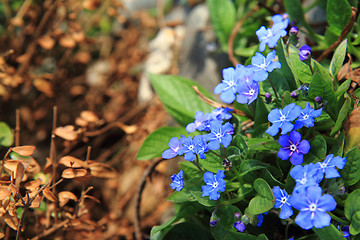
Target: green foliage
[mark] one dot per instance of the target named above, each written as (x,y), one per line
(351,173)
(6,135)
(264,199)
(179,98)
(329,232)
(338,14)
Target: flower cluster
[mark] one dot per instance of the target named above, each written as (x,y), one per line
(307,195)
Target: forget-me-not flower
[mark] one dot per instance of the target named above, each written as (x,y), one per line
(174,145)
(305,52)
(306,117)
(200,145)
(248,92)
(293,147)
(220,134)
(201,122)
(214,185)
(177,181)
(240,226)
(187,148)
(282,119)
(228,86)
(282,202)
(313,207)
(221,114)
(272,35)
(262,66)
(305,176)
(327,167)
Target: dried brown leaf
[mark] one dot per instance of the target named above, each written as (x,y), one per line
(345,70)
(78,36)
(44,86)
(92,198)
(89,116)
(46,42)
(49,195)
(71,173)
(2,235)
(127,129)
(11,221)
(24,150)
(82,57)
(4,192)
(68,133)
(11,164)
(81,122)
(19,174)
(101,170)
(67,41)
(33,185)
(70,161)
(65,196)
(36,202)
(17,21)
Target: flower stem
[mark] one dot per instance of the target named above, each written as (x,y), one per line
(273,88)
(336,218)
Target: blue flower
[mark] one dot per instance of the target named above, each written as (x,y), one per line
(305,52)
(282,119)
(221,114)
(200,145)
(220,134)
(228,86)
(282,202)
(293,147)
(305,176)
(187,148)
(313,207)
(328,166)
(306,117)
(272,35)
(262,66)
(214,184)
(174,145)
(201,122)
(177,181)
(248,91)
(260,219)
(213,222)
(240,226)
(345,231)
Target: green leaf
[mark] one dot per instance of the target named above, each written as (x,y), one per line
(284,60)
(329,232)
(203,200)
(250,165)
(345,109)
(338,14)
(244,190)
(351,172)
(295,10)
(338,147)
(157,142)
(320,87)
(6,135)
(317,151)
(223,17)
(180,197)
(342,88)
(324,73)
(259,144)
(355,224)
(352,204)
(220,233)
(261,237)
(188,230)
(261,112)
(300,69)
(212,163)
(225,215)
(264,200)
(179,98)
(338,58)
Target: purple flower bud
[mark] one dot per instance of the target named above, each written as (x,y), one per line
(285,16)
(267,95)
(237,215)
(294,94)
(318,99)
(305,52)
(213,222)
(294,30)
(268,98)
(240,226)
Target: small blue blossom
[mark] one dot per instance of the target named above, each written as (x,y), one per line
(282,119)
(305,52)
(248,92)
(282,202)
(272,35)
(313,207)
(293,147)
(240,226)
(221,114)
(306,117)
(327,167)
(174,145)
(187,148)
(345,231)
(262,66)
(213,222)
(305,176)
(200,145)
(177,181)
(260,219)
(220,134)
(228,86)
(201,122)
(214,185)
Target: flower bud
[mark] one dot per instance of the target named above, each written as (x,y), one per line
(318,99)
(294,94)
(268,98)
(305,52)
(240,226)
(237,215)
(213,222)
(294,30)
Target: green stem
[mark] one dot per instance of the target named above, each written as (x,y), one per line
(336,218)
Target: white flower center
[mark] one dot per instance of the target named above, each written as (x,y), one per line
(283,200)
(251,92)
(323,165)
(312,207)
(215,184)
(292,147)
(218,135)
(303,181)
(306,117)
(191,147)
(282,118)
